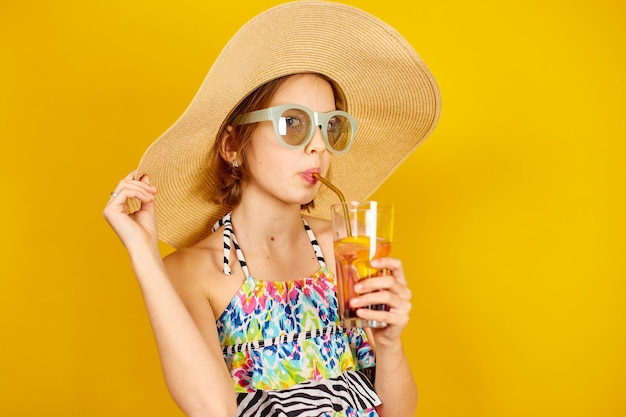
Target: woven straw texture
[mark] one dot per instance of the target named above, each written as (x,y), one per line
(387,87)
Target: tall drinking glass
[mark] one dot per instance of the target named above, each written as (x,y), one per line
(361,232)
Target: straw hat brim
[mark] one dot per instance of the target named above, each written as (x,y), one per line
(387,87)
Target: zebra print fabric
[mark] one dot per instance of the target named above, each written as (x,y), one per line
(351,394)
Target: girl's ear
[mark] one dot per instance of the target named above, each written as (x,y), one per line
(228,148)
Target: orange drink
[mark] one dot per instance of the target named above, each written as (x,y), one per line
(361,232)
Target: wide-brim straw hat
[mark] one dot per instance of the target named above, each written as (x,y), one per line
(387,87)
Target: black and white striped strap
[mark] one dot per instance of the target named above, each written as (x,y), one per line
(229,236)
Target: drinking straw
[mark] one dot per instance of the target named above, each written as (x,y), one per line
(336,190)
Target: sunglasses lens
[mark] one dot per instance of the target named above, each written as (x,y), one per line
(339,132)
(294,126)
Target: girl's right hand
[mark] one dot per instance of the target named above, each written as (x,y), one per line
(138,228)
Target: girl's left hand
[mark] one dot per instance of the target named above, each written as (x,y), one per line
(391,290)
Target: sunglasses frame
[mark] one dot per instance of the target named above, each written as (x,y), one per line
(319,119)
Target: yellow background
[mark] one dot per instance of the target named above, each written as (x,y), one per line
(511,215)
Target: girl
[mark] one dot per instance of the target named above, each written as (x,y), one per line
(245,311)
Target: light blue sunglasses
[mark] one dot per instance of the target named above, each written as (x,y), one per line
(294,126)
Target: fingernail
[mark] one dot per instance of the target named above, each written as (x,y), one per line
(358,287)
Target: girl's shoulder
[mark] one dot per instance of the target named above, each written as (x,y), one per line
(322,228)
(205,256)
(197,273)
(198,267)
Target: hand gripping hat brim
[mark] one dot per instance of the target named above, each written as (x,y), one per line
(386,85)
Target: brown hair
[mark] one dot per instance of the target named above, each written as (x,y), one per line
(232,178)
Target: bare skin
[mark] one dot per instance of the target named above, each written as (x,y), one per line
(185,292)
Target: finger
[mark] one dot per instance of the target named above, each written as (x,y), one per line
(384,283)
(135,184)
(393,301)
(127,190)
(393,318)
(118,211)
(145,179)
(130,178)
(393,265)
(129,184)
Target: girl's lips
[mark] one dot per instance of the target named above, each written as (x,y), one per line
(309,177)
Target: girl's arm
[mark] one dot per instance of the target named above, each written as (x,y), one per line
(194,370)
(394,381)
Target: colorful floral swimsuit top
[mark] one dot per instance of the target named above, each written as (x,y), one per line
(285,350)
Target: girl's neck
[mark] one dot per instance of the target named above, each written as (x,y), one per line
(275,224)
